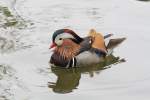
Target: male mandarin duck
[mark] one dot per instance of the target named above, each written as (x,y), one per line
(72,51)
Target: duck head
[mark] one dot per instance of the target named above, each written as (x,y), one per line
(66,43)
(60,37)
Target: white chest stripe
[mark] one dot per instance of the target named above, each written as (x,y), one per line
(73,63)
(68,64)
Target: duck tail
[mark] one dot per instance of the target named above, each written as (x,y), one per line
(108,35)
(113,43)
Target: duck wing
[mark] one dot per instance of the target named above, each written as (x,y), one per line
(85,45)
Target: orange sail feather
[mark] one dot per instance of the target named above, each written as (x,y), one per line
(98,40)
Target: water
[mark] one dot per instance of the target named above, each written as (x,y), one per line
(25,73)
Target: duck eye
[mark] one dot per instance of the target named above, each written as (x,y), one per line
(60,38)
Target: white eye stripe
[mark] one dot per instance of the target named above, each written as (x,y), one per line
(63,36)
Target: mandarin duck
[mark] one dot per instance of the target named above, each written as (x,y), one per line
(71,50)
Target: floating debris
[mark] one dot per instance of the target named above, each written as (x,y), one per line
(10,26)
(7,76)
(9,19)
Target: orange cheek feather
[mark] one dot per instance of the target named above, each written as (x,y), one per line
(67,42)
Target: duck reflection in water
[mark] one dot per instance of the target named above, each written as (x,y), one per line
(69,79)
